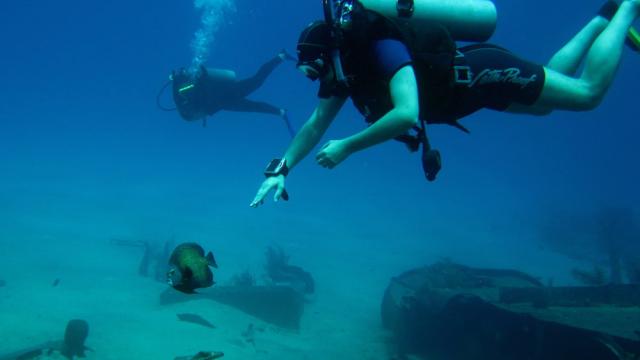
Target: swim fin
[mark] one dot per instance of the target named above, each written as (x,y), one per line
(607,11)
(285,117)
(633,39)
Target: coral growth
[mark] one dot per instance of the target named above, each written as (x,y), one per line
(244,278)
(595,277)
(276,258)
(279,271)
(632,267)
(609,235)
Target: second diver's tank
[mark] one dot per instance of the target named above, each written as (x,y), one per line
(466,20)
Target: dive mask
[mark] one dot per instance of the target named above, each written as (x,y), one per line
(313,70)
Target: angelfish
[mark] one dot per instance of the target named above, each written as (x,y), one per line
(189,268)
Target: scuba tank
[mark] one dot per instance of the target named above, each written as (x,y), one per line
(466,20)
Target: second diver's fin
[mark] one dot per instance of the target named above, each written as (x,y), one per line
(633,39)
(285,118)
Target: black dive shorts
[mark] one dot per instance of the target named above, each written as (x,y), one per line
(498,79)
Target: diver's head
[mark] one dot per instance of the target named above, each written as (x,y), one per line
(314,48)
(189,93)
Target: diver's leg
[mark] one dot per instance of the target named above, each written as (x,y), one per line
(562,92)
(569,57)
(246,105)
(247,86)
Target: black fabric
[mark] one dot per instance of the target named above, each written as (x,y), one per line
(314,42)
(229,94)
(189,93)
(389,56)
(608,9)
(499,79)
(431,50)
(246,105)
(369,77)
(246,86)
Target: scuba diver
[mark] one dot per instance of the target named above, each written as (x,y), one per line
(398,62)
(202,92)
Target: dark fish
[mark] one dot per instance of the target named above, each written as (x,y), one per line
(71,347)
(189,268)
(202,355)
(2,283)
(195,319)
(56,282)
(74,337)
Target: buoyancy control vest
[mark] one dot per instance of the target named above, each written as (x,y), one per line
(435,61)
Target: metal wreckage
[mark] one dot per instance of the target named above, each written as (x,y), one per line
(454,312)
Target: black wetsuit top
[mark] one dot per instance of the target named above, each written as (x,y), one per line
(225,93)
(498,79)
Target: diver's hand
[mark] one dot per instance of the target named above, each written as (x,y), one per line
(333,153)
(273,182)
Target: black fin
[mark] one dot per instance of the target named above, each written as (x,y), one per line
(211,260)
(457,125)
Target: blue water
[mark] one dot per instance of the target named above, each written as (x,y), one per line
(86,156)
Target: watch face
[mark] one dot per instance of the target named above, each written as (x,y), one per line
(274,166)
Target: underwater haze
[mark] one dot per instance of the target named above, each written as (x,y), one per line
(92,171)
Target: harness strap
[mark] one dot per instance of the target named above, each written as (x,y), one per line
(405,8)
(462,76)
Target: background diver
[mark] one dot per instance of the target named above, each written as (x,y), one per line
(202,92)
(399,87)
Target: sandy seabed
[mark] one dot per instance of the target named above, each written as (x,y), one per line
(127,321)
(98,282)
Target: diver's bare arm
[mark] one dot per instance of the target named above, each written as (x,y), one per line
(403,116)
(313,130)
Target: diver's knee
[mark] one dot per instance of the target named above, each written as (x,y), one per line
(586,96)
(591,98)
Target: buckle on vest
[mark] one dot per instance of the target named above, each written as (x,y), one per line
(462,74)
(405,8)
